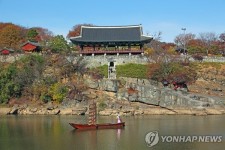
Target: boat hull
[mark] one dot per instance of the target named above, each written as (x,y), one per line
(98,126)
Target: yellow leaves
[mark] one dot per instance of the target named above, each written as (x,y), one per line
(149,51)
(58,92)
(171,51)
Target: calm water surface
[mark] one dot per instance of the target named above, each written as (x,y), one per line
(54,133)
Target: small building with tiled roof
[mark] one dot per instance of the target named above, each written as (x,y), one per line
(31,47)
(111,40)
(6,51)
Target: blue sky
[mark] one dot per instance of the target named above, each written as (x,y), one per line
(167,16)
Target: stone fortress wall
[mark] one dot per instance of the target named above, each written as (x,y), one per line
(99,60)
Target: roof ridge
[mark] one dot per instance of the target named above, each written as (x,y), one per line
(34,43)
(125,26)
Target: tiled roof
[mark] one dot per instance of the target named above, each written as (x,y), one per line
(9,49)
(111,34)
(32,43)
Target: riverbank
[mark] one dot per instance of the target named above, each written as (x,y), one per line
(129,98)
(133,109)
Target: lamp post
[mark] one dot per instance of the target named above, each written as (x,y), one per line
(184,29)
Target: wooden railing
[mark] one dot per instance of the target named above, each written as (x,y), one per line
(113,52)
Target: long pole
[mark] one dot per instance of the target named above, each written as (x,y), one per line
(184,29)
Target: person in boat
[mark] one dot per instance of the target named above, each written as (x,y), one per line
(118,118)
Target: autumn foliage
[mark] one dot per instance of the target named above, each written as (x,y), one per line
(172,72)
(11,36)
(164,65)
(207,43)
(76,30)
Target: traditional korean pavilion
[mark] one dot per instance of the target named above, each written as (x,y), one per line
(6,51)
(31,47)
(95,40)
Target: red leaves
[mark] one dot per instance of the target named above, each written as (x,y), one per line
(172,72)
(76,30)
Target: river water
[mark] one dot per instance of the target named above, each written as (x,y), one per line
(54,133)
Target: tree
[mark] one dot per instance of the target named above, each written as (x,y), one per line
(44,35)
(208,39)
(155,43)
(222,37)
(166,66)
(76,30)
(222,43)
(30,69)
(182,39)
(8,86)
(32,35)
(172,72)
(12,36)
(58,44)
(195,46)
(3,25)
(154,51)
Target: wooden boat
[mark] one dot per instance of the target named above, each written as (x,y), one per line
(98,126)
(92,122)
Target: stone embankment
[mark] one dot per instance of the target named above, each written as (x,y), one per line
(48,109)
(128,110)
(156,99)
(145,91)
(127,96)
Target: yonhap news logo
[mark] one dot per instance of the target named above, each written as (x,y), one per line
(152,138)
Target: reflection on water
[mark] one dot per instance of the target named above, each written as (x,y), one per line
(54,132)
(96,139)
(118,133)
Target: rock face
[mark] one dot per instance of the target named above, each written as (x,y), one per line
(79,111)
(120,96)
(138,90)
(104,84)
(167,97)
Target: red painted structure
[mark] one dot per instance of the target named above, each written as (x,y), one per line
(98,126)
(6,51)
(31,47)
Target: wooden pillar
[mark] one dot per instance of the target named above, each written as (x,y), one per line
(81,47)
(141,47)
(129,47)
(94,47)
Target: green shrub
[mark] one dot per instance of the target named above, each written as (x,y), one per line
(45,98)
(8,85)
(58,92)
